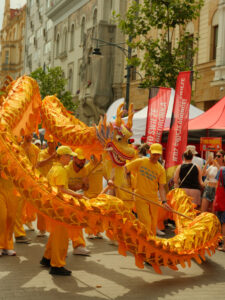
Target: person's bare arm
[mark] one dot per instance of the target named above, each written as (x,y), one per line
(200,176)
(69,192)
(216,164)
(204,170)
(162,193)
(110,186)
(45,161)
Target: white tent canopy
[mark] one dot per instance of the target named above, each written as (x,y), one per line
(140,117)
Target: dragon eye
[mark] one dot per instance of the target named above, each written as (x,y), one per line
(119,138)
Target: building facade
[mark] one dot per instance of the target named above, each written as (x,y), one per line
(65,33)
(38,36)
(209,61)
(12,42)
(95,81)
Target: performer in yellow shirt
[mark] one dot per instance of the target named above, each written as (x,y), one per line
(95,184)
(151,178)
(8,207)
(25,211)
(116,177)
(120,178)
(57,246)
(95,178)
(77,175)
(46,158)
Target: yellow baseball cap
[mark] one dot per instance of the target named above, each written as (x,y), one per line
(79,153)
(62,150)
(50,138)
(156,148)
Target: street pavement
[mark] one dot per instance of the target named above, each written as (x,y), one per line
(105,275)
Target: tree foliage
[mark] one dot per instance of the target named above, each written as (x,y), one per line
(53,82)
(152,24)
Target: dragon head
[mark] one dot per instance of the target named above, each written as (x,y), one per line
(114,137)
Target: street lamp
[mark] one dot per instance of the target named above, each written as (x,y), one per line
(127,53)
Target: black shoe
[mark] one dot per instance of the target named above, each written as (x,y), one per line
(148,264)
(23,239)
(45,262)
(60,271)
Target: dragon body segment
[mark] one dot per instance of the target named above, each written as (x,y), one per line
(20,114)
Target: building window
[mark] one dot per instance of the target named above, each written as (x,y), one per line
(72,37)
(189,51)
(14,34)
(7,57)
(57,45)
(214,34)
(95,17)
(83,30)
(94,31)
(22,30)
(215,40)
(70,81)
(189,60)
(65,40)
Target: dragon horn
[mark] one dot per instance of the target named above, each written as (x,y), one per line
(105,121)
(130,117)
(119,115)
(100,122)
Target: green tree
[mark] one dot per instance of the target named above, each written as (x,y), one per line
(52,82)
(163,56)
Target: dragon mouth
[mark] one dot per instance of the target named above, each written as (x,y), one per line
(118,157)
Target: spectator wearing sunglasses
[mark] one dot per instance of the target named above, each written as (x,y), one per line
(220,157)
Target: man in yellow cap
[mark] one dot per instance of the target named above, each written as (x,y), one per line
(150,178)
(46,158)
(77,175)
(57,246)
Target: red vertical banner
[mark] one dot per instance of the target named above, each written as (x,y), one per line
(158,102)
(177,139)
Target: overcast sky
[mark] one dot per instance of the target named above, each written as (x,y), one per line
(13,4)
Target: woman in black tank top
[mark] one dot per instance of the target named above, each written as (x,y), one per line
(188,176)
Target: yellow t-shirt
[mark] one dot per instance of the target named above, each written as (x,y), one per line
(76,177)
(94,180)
(32,152)
(148,176)
(118,175)
(43,154)
(57,176)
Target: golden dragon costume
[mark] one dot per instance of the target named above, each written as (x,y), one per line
(20,114)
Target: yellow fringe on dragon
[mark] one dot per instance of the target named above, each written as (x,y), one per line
(20,114)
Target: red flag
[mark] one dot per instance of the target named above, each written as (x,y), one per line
(158,102)
(177,140)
